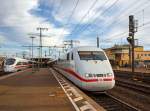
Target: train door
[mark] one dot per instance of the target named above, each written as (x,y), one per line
(68,60)
(72,64)
(78,68)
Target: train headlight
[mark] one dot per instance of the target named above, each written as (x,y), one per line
(109,74)
(88,75)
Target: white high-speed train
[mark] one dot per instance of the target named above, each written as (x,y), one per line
(88,68)
(15,64)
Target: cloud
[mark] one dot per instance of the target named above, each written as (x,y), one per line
(2,39)
(24,16)
(82,8)
(117,24)
(112,24)
(18,21)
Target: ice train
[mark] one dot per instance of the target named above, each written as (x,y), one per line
(88,68)
(16,64)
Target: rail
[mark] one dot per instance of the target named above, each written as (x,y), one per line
(141,88)
(110,103)
(144,77)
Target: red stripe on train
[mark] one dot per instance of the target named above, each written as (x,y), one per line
(20,66)
(107,79)
(70,71)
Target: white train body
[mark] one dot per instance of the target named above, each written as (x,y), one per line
(15,64)
(89,68)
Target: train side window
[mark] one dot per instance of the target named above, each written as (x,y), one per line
(19,63)
(10,61)
(68,56)
(71,56)
(24,63)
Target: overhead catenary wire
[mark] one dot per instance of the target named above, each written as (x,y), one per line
(121,34)
(121,14)
(125,32)
(69,18)
(91,7)
(140,26)
(117,21)
(100,13)
(118,16)
(87,25)
(73,11)
(147,2)
(52,3)
(59,6)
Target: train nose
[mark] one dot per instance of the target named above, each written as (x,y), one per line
(99,86)
(104,80)
(108,84)
(8,68)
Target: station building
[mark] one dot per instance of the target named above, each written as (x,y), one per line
(120,55)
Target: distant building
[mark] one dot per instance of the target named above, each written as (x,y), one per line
(1,62)
(121,55)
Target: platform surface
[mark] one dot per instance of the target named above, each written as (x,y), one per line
(29,91)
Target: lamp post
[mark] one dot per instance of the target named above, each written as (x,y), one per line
(32,52)
(39,59)
(32,45)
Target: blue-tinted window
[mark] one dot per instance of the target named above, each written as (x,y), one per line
(92,55)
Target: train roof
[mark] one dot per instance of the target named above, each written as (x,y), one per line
(87,48)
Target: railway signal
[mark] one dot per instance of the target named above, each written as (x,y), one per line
(133,27)
(129,39)
(97,42)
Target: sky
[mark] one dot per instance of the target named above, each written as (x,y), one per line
(81,20)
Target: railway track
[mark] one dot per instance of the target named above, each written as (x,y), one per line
(141,88)
(144,77)
(111,103)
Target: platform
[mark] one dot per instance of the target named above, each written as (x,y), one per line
(27,91)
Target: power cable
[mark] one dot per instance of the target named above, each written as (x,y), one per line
(112,37)
(73,11)
(94,3)
(87,14)
(120,14)
(59,6)
(86,26)
(130,12)
(117,18)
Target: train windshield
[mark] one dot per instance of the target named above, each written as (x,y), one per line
(92,55)
(10,61)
